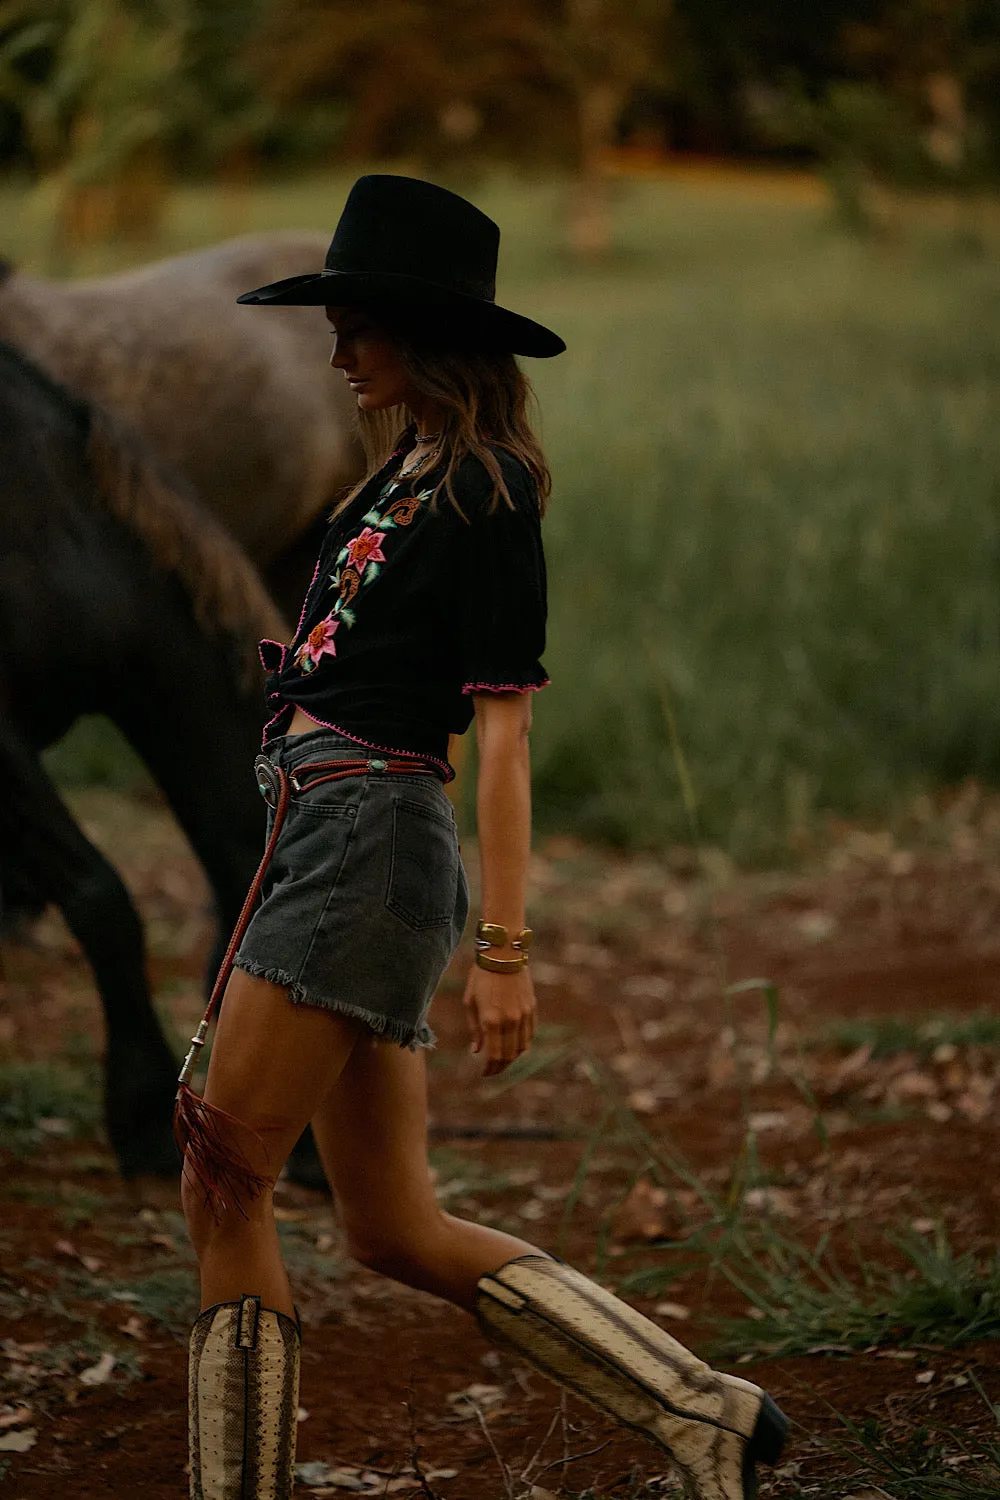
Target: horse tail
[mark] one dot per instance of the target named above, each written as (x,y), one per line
(225,589)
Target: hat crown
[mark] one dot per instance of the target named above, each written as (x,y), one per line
(402,226)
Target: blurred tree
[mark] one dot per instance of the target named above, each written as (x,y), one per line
(452,80)
(907,99)
(109,93)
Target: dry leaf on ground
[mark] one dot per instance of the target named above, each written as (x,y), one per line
(100,1373)
(19,1442)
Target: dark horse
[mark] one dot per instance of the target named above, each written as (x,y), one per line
(120,595)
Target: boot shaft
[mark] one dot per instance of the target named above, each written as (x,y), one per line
(243,1396)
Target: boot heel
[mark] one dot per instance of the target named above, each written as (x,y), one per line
(767,1441)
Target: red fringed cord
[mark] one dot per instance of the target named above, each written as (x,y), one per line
(205,1134)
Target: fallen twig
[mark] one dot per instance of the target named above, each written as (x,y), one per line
(418,1472)
(507,1482)
(574,1458)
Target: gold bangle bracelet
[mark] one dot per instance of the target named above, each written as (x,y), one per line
(502,965)
(494,935)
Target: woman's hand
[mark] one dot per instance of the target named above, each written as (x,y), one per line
(500,1009)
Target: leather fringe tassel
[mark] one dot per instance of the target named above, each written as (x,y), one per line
(205,1137)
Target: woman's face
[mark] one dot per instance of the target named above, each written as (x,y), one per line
(368,358)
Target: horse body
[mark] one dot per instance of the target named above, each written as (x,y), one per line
(119,595)
(238,402)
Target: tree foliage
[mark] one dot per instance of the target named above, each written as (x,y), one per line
(93,84)
(450,76)
(89,86)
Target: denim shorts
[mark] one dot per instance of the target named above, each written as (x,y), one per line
(365,898)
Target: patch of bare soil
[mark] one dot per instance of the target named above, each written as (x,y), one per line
(643,1057)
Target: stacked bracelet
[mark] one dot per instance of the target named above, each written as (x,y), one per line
(494,935)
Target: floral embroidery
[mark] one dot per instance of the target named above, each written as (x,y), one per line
(359,562)
(365,550)
(401,512)
(318,643)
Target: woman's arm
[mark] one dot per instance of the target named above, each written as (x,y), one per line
(501,1007)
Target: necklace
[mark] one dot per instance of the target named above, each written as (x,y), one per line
(419,441)
(410,469)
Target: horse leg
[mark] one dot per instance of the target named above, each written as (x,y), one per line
(40,837)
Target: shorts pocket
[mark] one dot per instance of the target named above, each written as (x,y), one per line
(423,869)
(329,799)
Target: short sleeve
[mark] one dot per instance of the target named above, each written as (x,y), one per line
(502,588)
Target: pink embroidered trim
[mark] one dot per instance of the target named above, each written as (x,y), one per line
(504,687)
(267,641)
(370,744)
(273,720)
(302,612)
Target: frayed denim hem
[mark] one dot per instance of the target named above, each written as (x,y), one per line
(386,1028)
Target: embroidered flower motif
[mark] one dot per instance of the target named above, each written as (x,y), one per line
(358,564)
(318,643)
(366,548)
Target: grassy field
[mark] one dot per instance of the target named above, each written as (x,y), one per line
(776,520)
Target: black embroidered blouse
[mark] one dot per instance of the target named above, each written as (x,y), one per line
(411,610)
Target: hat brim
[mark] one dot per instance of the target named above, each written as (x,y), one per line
(471,320)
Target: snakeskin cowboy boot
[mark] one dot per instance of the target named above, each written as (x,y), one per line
(243,1399)
(714,1427)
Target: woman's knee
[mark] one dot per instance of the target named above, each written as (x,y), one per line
(397,1249)
(209,1222)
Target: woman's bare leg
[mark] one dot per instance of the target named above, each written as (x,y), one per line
(273,1063)
(371,1131)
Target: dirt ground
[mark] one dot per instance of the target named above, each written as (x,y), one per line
(642,1058)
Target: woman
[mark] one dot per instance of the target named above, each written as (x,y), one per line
(427,607)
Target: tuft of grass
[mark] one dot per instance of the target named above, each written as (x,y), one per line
(804,1299)
(887,1036)
(168,1296)
(32,1095)
(924,1463)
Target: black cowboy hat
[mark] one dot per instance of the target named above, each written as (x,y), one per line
(424,252)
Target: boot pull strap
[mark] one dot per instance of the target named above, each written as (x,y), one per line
(247,1322)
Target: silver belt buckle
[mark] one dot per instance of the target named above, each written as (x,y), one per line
(267,780)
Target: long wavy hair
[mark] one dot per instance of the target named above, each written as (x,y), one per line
(487,401)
